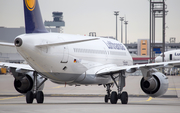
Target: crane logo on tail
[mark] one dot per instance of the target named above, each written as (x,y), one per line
(30,4)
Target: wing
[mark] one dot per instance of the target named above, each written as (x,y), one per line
(133,68)
(17,66)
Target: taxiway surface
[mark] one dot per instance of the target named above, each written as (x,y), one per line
(89,99)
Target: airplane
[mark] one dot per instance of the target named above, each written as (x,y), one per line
(172,55)
(76,60)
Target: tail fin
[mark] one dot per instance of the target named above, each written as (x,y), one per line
(33,19)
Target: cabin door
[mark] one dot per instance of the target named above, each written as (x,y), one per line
(170,57)
(65,55)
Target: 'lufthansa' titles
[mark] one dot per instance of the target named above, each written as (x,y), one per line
(117,46)
(177,54)
(30,4)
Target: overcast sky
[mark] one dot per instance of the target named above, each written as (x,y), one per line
(84,16)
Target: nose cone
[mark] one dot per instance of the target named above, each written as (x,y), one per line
(18,42)
(158,59)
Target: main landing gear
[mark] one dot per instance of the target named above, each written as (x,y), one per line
(31,95)
(114,96)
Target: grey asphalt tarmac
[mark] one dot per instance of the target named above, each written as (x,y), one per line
(89,99)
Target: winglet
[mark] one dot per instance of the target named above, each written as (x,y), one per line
(33,19)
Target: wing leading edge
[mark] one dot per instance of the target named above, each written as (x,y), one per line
(115,70)
(18,66)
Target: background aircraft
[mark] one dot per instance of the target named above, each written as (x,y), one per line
(173,55)
(169,56)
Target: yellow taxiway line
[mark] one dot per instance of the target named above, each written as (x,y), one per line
(149,99)
(58,87)
(11,98)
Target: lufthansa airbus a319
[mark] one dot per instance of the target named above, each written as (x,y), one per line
(76,60)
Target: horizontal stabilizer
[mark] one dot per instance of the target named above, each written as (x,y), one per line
(66,42)
(7,44)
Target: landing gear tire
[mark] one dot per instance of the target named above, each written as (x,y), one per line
(113,98)
(124,98)
(106,98)
(40,97)
(29,97)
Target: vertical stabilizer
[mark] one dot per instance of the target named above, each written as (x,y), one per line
(33,19)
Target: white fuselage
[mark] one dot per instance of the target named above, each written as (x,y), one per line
(72,63)
(173,55)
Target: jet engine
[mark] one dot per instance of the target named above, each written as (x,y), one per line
(25,83)
(156,85)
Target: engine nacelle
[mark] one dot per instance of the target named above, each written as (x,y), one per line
(155,86)
(26,83)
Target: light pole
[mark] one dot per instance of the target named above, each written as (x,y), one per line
(125,22)
(121,19)
(116,13)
